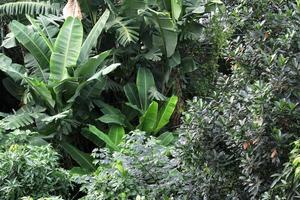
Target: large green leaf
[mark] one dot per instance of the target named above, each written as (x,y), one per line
(66,49)
(41,90)
(131,93)
(165,113)
(167,30)
(89,68)
(105,138)
(83,159)
(39,30)
(15,71)
(144,82)
(92,38)
(34,43)
(116,134)
(148,120)
(118,119)
(176,6)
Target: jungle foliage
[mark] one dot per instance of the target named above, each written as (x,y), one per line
(148,99)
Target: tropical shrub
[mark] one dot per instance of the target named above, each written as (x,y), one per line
(32,170)
(144,168)
(236,143)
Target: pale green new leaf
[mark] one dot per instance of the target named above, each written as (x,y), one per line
(116,134)
(176,6)
(66,49)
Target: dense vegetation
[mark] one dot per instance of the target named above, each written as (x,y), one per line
(171,99)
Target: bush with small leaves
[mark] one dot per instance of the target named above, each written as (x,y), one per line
(143,168)
(31,170)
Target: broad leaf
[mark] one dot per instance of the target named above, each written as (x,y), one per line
(41,90)
(144,82)
(167,30)
(83,159)
(176,6)
(105,138)
(118,119)
(39,30)
(165,113)
(116,134)
(15,71)
(131,93)
(148,120)
(90,67)
(166,138)
(34,43)
(66,49)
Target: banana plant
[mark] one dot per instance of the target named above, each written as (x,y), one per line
(63,81)
(151,118)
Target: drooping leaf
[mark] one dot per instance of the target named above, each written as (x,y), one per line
(165,113)
(126,31)
(118,119)
(15,71)
(116,134)
(42,34)
(41,90)
(105,138)
(106,108)
(34,43)
(66,49)
(83,159)
(144,82)
(92,38)
(28,7)
(168,33)
(148,120)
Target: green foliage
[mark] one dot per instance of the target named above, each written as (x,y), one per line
(31,170)
(143,168)
(28,7)
(236,143)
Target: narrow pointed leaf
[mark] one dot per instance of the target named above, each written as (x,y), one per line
(92,38)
